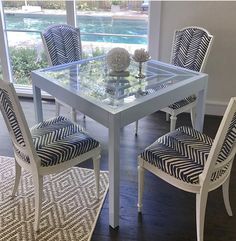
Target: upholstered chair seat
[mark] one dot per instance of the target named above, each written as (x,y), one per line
(49,147)
(193,162)
(182,154)
(190,49)
(58,140)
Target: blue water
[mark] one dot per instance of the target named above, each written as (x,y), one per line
(87,24)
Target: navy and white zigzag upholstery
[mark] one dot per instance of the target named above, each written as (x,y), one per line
(190,47)
(183,102)
(188,51)
(8,109)
(63,43)
(229,141)
(50,147)
(183,153)
(58,140)
(193,162)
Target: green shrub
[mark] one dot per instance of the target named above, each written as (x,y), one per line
(93,53)
(44,4)
(25,60)
(115,2)
(52,4)
(98,51)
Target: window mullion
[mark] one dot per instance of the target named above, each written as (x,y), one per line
(4,52)
(71,12)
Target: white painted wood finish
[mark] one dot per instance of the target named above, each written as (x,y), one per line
(116,118)
(71,18)
(114,167)
(34,166)
(191,106)
(205,184)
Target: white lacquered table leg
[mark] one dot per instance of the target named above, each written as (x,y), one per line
(200,108)
(37,104)
(114,171)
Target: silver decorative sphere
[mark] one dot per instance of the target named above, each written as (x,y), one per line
(118,59)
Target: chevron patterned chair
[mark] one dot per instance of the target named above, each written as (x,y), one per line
(193,162)
(49,147)
(190,50)
(62,43)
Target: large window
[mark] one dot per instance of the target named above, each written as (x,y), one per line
(108,24)
(103,25)
(24,22)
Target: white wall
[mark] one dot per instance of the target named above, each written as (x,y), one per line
(219,18)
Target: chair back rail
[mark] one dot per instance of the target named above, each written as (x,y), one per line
(62,43)
(16,123)
(191,47)
(223,148)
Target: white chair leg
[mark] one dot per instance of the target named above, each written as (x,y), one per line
(201,200)
(17,178)
(96,167)
(73,114)
(57,108)
(38,192)
(193,116)
(167,116)
(225,189)
(173,120)
(136,128)
(140,188)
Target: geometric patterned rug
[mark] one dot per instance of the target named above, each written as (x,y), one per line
(69,209)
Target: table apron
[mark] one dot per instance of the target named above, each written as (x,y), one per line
(127,115)
(163,100)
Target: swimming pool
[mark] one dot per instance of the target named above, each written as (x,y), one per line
(88,24)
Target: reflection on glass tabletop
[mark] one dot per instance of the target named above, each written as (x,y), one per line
(92,79)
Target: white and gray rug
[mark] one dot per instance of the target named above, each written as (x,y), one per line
(69,211)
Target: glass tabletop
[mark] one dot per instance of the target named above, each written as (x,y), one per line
(92,79)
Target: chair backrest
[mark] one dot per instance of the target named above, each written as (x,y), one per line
(221,156)
(191,47)
(62,43)
(17,126)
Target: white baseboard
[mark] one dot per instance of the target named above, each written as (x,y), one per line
(215,107)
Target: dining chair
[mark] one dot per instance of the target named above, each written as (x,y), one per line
(190,49)
(47,148)
(193,162)
(62,44)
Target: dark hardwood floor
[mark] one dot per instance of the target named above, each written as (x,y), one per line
(168,213)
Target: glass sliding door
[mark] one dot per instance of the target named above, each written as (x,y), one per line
(103,24)
(24,22)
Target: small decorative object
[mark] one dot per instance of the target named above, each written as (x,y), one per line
(140,56)
(118,60)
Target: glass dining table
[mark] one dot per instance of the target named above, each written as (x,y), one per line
(118,100)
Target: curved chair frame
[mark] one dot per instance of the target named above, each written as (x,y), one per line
(50,46)
(24,149)
(189,106)
(206,182)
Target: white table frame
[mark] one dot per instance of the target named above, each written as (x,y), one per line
(116,119)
